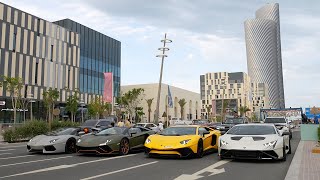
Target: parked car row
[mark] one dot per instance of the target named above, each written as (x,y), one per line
(241,141)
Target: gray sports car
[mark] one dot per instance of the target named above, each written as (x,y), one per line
(60,141)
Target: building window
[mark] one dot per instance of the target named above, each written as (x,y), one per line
(51,58)
(238,85)
(38,27)
(231,86)
(218,91)
(68,78)
(36,72)
(14,42)
(216,86)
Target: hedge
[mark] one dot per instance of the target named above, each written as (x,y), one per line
(319,133)
(34,128)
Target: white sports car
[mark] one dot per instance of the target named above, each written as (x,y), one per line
(60,141)
(254,141)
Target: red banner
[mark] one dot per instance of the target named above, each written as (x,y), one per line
(107,94)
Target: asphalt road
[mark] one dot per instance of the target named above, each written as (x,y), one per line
(16,163)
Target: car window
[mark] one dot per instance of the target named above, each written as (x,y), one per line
(179,131)
(90,123)
(104,123)
(149,125)
(202,130)
(135,130)
(275,120)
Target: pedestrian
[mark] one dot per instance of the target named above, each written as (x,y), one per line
(127,123)
(120,123)
(316,121)
(160,125)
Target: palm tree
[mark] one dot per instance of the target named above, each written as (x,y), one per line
(243,110)
(182,102)
(149,102)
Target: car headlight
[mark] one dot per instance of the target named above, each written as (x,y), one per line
(53,140)
(103,144)
(184,142)
(148,141)
(222,142)
(270,144)
(30,140)
(79,140)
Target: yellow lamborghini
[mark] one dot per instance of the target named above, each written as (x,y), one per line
(182,141)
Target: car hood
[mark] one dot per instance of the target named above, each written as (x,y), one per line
(45,140)
(94,140)
(170,142)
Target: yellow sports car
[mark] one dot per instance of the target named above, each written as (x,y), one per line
(182,141)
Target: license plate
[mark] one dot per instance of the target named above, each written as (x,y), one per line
(167,146)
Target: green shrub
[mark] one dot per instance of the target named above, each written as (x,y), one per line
(34,128)
(319,133)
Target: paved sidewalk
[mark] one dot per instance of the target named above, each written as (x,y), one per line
(305,164)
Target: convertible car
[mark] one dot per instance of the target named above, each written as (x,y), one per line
(182,141)
(254,141)
(114,140)
(62,140)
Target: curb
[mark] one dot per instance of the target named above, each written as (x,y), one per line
(294,169)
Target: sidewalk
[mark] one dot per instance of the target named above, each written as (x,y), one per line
(305,165)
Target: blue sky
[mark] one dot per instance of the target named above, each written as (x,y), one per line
(208,36)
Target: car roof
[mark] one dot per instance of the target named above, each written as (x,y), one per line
(186,126)
(260,124)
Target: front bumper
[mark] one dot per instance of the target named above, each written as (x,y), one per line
(100,150)
(250,154)
(182,152)
(46,148)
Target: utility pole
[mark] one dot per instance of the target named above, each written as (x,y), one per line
(163,55)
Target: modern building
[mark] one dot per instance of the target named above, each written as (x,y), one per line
(260,98)
(191,109)
(46,55)
(263,46)
(217,88)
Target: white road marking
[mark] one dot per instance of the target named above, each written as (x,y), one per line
(117,171)
(3,147)
(65,166)
(27,162)
(4,154)
(211,169)
(13,157)
(7,150)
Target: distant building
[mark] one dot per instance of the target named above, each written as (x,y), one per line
(260,98)
(233,88)
(263,45)
(191,109)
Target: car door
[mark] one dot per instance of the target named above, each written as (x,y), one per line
(207,138)
(137,138)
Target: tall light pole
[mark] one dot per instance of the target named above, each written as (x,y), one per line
(223,82)
(31,100)
(163,55)
(82,104)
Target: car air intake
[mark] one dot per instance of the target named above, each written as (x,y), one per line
(258,138)
(236,138)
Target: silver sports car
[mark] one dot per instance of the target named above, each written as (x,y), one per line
(254,141)
(60,141)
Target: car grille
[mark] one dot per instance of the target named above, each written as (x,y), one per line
(49,148)
(240,154)
(99,150)
(258,138)
(236,138)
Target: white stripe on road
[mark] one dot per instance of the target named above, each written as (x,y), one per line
(65,166)
(7,150)
(13,157)
(4,154)
(27,162)
(117,171)
(3,147)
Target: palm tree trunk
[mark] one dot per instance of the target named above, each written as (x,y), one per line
(149,114)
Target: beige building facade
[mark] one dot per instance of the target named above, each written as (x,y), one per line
(192,108)
(221,87)
(260,98)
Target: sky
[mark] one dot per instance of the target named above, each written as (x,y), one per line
(207,35)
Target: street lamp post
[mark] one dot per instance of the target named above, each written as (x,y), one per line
(163,55)
(31,101)
(82,104)
(222,102)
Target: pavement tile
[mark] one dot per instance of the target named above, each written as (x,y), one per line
(310,163)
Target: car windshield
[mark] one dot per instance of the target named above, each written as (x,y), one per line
(59,132)
(90,123)
(200,122)
(275,120)
(111,131)
(252,130)
(234,121)
(179,131)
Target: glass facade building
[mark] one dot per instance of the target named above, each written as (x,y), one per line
(98,54)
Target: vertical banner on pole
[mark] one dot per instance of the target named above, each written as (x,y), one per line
(108,87)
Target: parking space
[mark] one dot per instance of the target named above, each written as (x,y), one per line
(16,163)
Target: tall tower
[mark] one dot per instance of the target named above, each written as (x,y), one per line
(263,46)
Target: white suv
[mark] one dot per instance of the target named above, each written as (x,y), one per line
(281,124)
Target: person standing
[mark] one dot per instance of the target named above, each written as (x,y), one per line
(120,123)
(316,121)
(127,123)
(160,125)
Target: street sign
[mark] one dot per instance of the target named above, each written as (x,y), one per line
(2,103)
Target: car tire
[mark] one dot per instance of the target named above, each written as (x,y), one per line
(199,153)
(71,146)
(289,152)
(290,136)
(124,146)
(284,158)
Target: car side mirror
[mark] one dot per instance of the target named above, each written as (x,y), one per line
(285,134)
(98,125)
(81,133)
(204,133)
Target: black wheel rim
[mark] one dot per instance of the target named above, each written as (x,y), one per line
(71,147)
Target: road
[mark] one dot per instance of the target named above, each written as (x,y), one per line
(16,163)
